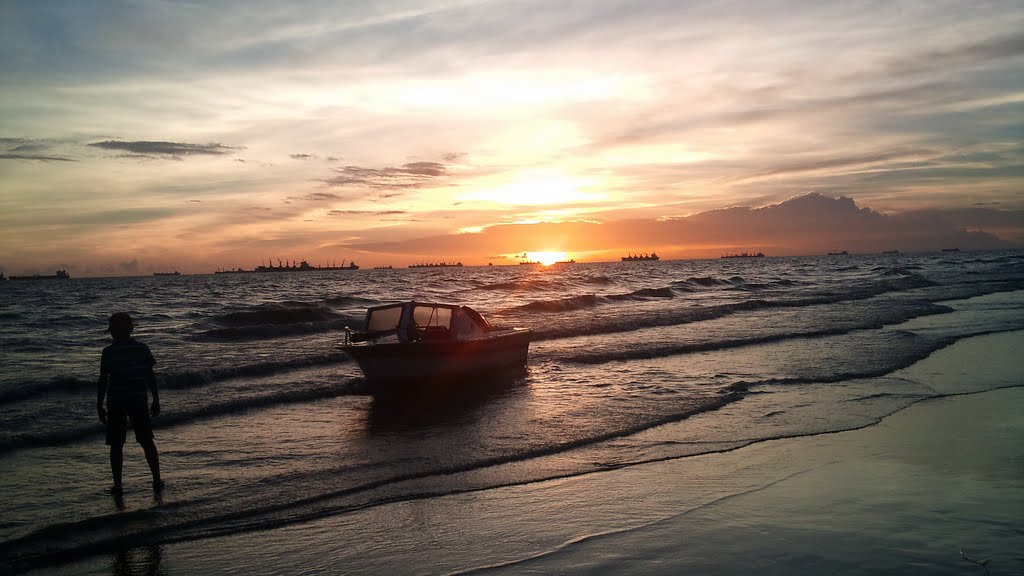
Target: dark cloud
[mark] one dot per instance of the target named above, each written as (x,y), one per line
(314,197)
(303,156)
(981,51)
(35,157)
(146,148)
(411,175)
(25,149)
(806,224)
(366,212)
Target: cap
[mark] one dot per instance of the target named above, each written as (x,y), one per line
(120,322)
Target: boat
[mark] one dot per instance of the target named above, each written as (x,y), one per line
(640,257)
(744,255)
(890,251)
(950,249)
(841,253)
(303,267)
(59,275)
(234,271)
(175,273)
(436,265)
(411,345)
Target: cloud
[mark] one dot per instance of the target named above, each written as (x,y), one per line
(35,157)
(807,224)
(303,156)
(411,175)
(366,212)
(965,55)
(314,197)
(173,149)
(131,266)
(26,149)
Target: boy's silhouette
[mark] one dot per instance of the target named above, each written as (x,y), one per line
(126,371)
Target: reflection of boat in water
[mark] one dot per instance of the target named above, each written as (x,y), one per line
(640,257)
(841,253)
(436,265)
(744,255)
(175,273)
(303,267)
(60,275)
(407,345)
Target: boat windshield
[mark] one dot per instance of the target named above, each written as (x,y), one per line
(432,316)
(383,319)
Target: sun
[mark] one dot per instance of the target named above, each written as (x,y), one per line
(547,258)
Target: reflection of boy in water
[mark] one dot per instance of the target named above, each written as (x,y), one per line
(126,370)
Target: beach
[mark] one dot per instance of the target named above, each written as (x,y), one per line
(901,496)
(693,415)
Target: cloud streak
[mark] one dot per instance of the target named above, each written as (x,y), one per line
(174,149)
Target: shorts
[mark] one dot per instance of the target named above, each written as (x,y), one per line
(119,414)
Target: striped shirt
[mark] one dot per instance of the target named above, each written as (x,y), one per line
(128,364)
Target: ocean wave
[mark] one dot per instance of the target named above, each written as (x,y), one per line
(349,301)
(57,436)
(192,378)
(704,281)
(564,304)
(523,285)
(275,315)
(895,272)
(590,300)
(178,380)
(33,389)
(270,331)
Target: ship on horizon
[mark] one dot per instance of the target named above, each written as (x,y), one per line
(174,273)
(744,255)
(640,257)
(59,275)
(436,265)
(303,266)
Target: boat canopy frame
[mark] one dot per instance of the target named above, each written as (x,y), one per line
(412,321)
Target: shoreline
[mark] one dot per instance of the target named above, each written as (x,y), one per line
(903,495)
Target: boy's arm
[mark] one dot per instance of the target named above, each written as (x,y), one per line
(101,390)
(154,410)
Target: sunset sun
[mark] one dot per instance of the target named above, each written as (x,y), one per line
(546,258)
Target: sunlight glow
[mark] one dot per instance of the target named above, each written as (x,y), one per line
(538,188)
(546,258)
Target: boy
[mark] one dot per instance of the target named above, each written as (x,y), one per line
(126,370)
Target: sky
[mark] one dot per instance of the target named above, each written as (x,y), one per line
(140,136)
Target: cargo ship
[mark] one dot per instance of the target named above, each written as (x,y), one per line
(60,275)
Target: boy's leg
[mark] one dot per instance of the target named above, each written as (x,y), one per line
(116,462)
(153,459)
(116,423)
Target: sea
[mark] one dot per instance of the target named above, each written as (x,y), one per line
(266,423)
